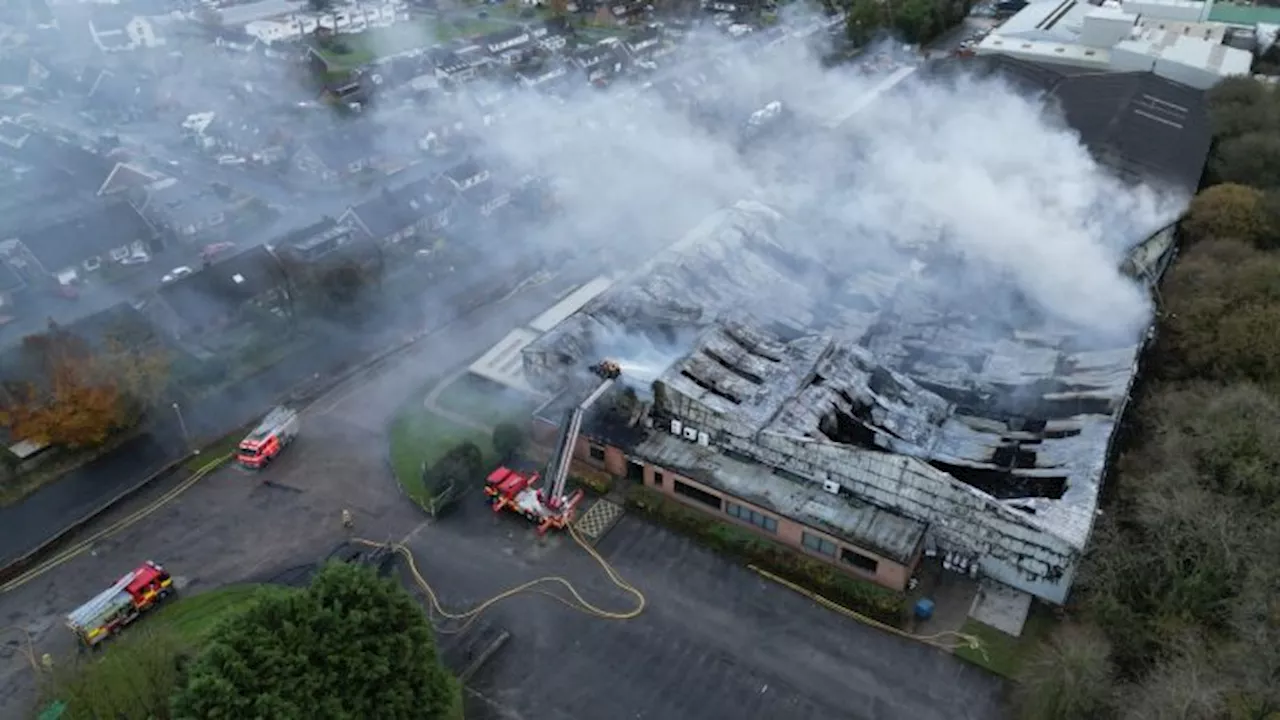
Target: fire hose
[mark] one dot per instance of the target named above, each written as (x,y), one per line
(536,586)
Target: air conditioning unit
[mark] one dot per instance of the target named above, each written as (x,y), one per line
(676,426)
(831,486)
(704,439)
(690,434)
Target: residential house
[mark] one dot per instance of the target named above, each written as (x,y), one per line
(410,211)
(642,44)
(117,28)
(126,177)
(551,36)
(601,62)
(508,47)
(120,97)
(66,250)
(461,64)
(193,214)
(220,293)
(546,77)
(65,167)
(333,156)
(28,15)
(315,241)
(465,175)
(484,199)
(20,75)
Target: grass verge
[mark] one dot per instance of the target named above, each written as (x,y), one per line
(1002,653)
(420,437)
(863,597)
(193,618)
(225,445)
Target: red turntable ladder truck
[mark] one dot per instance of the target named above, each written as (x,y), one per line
(548,506)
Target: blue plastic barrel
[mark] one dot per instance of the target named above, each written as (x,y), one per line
(924,608)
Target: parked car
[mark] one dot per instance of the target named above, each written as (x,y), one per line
(176,274)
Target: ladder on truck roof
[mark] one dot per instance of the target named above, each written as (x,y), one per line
(274,419)
(558,471)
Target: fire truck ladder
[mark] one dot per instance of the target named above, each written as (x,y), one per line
(558,472)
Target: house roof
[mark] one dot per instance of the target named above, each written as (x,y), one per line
(1140,125)
(305,234)
(223,287)
(463,171)
(183,204)
(125,176)
(339,150)
(393,210)
(75,168)
(102,228)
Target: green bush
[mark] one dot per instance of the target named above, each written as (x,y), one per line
(863,597)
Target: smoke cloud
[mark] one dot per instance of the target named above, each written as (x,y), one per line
(972,168)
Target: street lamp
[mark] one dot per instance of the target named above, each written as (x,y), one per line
(177,410)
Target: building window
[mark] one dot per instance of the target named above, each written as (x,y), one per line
(597,453)
(818,544)
(697,494)
(657,479)
(747,515)
(858,560)
(635,471)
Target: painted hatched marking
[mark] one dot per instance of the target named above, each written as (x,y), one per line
(598,518)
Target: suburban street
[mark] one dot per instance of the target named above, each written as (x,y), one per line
(715,641)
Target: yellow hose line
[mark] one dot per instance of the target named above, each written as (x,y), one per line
(28,647)
(947,640)
(578,602)
(132,519)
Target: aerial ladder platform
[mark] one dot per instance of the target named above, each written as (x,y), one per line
(549,506)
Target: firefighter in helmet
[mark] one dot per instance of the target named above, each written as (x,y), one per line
(347,521)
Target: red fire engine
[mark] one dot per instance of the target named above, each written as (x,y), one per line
(507,489)
(272,435)
(108,612)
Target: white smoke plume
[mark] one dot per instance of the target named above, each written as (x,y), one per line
(989,171)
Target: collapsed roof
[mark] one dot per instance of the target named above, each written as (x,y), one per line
(763,335)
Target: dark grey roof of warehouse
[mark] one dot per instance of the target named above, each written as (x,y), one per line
(1139,124)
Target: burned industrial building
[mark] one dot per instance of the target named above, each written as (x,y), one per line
(858,411)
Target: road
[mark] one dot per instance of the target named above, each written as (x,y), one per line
(716,641)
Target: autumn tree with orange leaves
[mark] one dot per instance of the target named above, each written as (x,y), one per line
(77,395)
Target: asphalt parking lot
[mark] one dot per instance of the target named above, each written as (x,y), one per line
(715,641)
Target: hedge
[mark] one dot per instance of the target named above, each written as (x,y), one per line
(863,597)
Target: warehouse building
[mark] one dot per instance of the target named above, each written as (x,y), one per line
(859,419)
(1171,38)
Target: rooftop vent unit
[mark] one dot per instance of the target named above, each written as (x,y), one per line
(831,486)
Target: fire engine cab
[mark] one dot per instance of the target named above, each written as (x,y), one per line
(272,435)
(122,603)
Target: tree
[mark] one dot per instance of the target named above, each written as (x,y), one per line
(1219,302)
(320,5)
(1241,105)
(462,464)
(559,8)
(1227,211)
(77,396)
(1067,677)
(1249,159)
(508,439)
(352,645)
(865,19)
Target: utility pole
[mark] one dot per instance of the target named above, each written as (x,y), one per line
(186,438)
